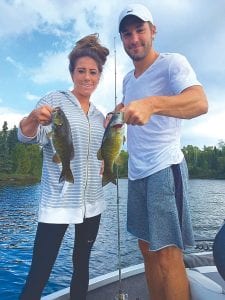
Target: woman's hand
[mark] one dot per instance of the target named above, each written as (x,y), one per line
(41,115)
(102,168)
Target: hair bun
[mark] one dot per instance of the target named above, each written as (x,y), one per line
(88,46)
(90,41)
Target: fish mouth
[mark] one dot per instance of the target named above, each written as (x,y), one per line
(117,125)
(54,119)
(117,120)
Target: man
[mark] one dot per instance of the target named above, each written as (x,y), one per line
(160,91)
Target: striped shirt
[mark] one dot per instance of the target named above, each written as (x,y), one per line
(69,203)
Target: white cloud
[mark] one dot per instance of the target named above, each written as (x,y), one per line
(211,126)
(185,29)
(50,16)
(11,116)
(31,97)
(54,67)
(16,18)
(207,129)
(16,64)
(47,10)
(104,95)
(22,17)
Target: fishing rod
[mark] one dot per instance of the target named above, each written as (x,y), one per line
(121,295)
(115,70)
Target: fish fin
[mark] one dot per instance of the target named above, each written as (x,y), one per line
(50,134)
(119,160)
(99,154)
(56,159)
(72,153)
(66,175)
(108,178)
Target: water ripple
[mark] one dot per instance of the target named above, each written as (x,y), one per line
(18,223)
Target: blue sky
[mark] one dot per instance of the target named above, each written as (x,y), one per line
(36,37)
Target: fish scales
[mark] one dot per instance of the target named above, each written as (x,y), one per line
(111,147)
(63,144)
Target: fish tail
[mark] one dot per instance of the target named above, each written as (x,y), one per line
(66,175)
(108,178)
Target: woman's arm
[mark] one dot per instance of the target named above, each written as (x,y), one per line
(42,115)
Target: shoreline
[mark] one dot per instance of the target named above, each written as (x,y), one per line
(17,180)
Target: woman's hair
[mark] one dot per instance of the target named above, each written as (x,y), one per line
(88,46)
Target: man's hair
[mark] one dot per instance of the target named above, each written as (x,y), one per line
(129,20)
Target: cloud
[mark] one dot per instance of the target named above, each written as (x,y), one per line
(54,67)
(104,95)
(16,18)
(16,64)
(206,129)
(46,30)
(28,16)
(12,117)
(49,16)
(211,126)
(31,97)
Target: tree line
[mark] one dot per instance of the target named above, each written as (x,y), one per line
(23,162)
(18,162)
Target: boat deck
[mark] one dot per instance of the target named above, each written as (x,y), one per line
(134,285)
(106,287)
(205,282)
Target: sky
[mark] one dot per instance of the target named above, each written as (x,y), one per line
(37,36)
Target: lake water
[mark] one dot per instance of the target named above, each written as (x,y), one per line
(18,223)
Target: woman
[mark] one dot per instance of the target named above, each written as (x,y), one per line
(82,202)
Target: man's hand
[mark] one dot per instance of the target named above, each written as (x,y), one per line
(138,112)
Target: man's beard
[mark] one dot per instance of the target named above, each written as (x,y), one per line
(139,56)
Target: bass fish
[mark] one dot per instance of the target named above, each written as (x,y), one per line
(62,141)
(112,143)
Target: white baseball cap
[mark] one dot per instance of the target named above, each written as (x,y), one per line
(138,10)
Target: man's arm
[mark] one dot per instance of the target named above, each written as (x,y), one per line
(190,103)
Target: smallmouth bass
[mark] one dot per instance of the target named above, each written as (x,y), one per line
(63,144)
(112,143)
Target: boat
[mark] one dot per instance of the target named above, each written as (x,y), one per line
(206,283)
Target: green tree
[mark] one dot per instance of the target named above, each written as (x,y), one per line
(35,157)
(12,139)
(123,167)
(21,159)
(5,164)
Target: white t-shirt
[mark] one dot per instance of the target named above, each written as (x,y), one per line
(156,145)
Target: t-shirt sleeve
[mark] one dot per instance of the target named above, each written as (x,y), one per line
(181,74)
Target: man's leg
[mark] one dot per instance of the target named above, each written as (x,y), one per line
(165,273)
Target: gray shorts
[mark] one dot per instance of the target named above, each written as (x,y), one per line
(158,208)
